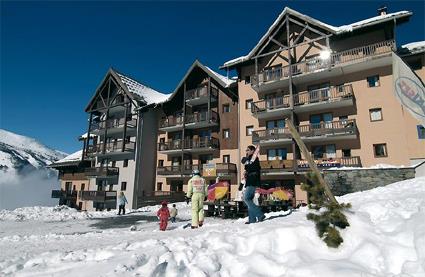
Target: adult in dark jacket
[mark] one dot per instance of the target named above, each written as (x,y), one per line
(252,175)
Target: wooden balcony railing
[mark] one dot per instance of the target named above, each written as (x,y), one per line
(102,171)
(206,116)
(332,162)
(200,92)
(223,168)
(340,127)
(331,94)
(156,197)
(277,102)
(172,120)
(98,196)
(64,194)
(271,134)
(189,143)
(204,142)
(111,147)
(288,165)
(332,128)
(113,123)
(312,65)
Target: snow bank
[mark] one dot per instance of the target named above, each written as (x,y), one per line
(58,213)
(386,238)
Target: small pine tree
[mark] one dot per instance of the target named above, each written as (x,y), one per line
(328,216)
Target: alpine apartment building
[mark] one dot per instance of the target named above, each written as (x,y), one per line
(335,84)
(198,130)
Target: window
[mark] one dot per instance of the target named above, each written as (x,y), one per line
(226,108)
(248,104)
(160,163)
(324,151)
(226,133)
(125,163)
(380,150)
(159,186)
(421,132)
(83,186)
(123,186)
(162,140)
(226,159)
(114,163)
(275,124)
(346,152)
(111,187)
(375,114)
(277,154)
(373,81)
(249,130)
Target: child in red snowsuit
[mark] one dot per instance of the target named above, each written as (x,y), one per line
(163,215)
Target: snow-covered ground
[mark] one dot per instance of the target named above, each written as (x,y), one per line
(386,238)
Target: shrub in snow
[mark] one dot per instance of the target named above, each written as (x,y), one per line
(328,216)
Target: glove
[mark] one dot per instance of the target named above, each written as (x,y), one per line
(244,159)
(187,200)
(205,198)
(240,186)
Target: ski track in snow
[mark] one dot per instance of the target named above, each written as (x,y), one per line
(386,238)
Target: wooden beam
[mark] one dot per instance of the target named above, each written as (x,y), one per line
(271,37)
(310,161)
(308,27)
(292,46)
(300,35)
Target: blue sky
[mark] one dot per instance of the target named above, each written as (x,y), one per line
(54,54)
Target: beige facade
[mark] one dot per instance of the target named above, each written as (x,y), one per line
(343,105)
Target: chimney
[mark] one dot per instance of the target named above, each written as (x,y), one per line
(382,10)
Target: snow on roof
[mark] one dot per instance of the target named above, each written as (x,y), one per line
(74,157)
(149,95)
(415,47)
(224,79)
(333,29)
(84,136)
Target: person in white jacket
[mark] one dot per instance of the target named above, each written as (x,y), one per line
(173,213)
(122,200)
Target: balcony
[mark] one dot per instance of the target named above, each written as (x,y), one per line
(277,167)
(66,195)
(222,169)
(271,107)
(203,144)
(171,123)
(103,173)
(114,150)
(325,98)
(334,130)
(339,63)
(201,120)
(115,127)
(281,167)
(156,197)
(200,95)
(98,196)
(275,136)
(323,131)
(327,163)
(199,145)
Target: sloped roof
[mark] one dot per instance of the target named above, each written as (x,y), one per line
(147,94)
(336,30)
(72,159)
(413,48)
(134,89)
(222,80)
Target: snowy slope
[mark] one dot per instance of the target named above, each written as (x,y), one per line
(386,238)
(20,155)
